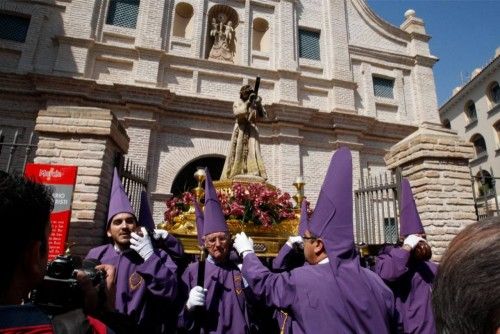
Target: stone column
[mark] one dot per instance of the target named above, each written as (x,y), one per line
(435,161)
(88,138)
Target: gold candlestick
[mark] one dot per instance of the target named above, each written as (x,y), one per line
(199,176)
(299,185)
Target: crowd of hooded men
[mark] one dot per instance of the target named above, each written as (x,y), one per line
(316,284)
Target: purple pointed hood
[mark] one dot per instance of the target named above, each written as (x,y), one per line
(119,201)
(409,219)
(199,222)
(332,218)
(303,218)
(214,220)
(145,216)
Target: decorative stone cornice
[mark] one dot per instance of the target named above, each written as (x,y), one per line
(427,61)
(380,54)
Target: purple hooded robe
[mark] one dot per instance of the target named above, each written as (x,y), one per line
(410,280)
(334,297)
(170,245)
(287,258)
(225,309)
(141,286)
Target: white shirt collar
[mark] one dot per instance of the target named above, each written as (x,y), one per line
(325,260)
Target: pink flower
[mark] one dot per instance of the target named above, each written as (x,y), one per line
(248,202)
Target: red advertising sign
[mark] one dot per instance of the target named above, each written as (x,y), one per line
(62,179)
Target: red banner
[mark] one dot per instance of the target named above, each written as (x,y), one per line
(62,179)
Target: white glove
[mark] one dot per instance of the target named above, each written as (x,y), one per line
(295,240)
(243,244)
(196,297)
(160,234)
(412,240)
(142,245)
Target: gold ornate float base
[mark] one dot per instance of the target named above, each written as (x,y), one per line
(267,240)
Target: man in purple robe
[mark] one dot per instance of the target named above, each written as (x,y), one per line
(408,271)
(333,294)
(164,240)
(219,306)
(146,277)
(291,255)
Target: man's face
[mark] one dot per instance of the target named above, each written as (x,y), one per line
(309,248)
(120,228)
(218,244)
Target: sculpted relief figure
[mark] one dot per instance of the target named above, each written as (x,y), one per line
(222,33)
(244,158)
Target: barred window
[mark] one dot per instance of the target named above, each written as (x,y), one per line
(14,28)
(390,230)
(123,13)
(383,87)
(309,44)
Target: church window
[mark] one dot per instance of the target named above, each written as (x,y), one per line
(383,87)
(13,27)
(309,44)
(123,13)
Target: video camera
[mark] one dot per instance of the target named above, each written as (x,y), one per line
(60,292)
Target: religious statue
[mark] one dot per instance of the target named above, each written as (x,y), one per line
(223,34)
(244,159)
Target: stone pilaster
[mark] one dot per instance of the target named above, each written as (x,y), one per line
(435,161)
(88,138)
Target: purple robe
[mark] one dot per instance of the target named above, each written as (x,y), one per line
(225,304)
(172,246)
(144,289)
(317,301)
(411,282)
(287,259)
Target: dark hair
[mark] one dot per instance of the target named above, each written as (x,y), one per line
(466,293)
(25,208)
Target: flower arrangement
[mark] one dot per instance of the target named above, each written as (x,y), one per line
(249,203)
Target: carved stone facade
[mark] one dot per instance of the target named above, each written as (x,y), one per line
(321,63)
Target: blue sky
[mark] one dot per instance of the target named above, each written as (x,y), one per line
(465,34)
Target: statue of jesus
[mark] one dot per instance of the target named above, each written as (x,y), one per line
(244,158)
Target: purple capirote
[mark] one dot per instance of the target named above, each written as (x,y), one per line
(145,216)
(119,202)
(410,222)
(339,295)
(214,220)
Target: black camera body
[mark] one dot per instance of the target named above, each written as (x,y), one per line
(60,292)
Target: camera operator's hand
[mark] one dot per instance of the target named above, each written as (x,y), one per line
(110,287)
(90,295)
(142,244)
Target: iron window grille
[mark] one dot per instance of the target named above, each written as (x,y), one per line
(309,44)
(383,87)
(123,13)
